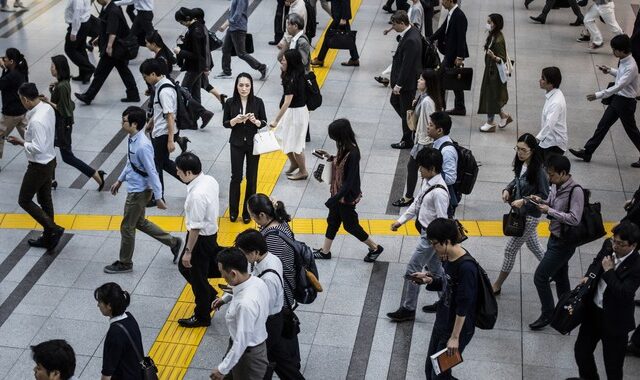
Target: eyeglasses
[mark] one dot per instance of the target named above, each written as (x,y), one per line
(521,150)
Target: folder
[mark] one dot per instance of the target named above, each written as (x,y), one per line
(442,362)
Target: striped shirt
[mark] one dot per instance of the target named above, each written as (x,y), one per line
(285,253)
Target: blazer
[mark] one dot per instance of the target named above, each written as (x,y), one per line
(242,134)
(453,42)
(192,55)
(622,284)
(407,61)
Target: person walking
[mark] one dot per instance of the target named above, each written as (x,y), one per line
(600,10)
(244,114)
(493,92)
(553,137)
(15,72)
(17,6)
(340,16)
(38,147)
(142,24)
(438,129)
(551,4)
(530,179)
(77,14)
(156,45)
(143,182)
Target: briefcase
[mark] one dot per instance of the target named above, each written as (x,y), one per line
(248,45)
(457,78)
(570,310)
(341,39)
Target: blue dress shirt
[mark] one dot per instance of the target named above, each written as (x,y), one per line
(140,154)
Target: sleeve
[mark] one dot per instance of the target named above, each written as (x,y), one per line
(289,88)
(123,175)
(410,52)
(543,184)
(123,2)
(169,102)
(622,81)
(596,263)
(412,210)
(499,49)
(461,43)
(511,185)
(437,284)
(6,80)
(197,212)
(623,290)
(112,354)
(145,155)
(574,215)
(450,165)
(244,318)
(227,115)
(552,117)
(416,17)
(438,34)
(38,143)
(260,113)
(113,22)
(467,290)
(441,202)
(76,20)
(63,101)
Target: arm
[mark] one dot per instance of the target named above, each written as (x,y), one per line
(283,109)
(461,34)
(37,144)
(450,165)
(351,173)
(412,211)
(622,290)
(227,120)
(260,113)
(553,116)
(573,216)
(191,242)
(441,202)
(113,350)
(409,56)
(145,156)
(345,9)
(75,20)
(622,81)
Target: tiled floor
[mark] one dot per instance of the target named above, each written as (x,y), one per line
(60,303)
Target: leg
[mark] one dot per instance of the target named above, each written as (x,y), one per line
(609,117)
(354,49)
(533,243)
(278,21)
(590,23)
(7,124)
(159,152)
(36,180)
(151,229)
(43,196)
(396,103)
(613,349)
(588,337)
(561,277)
(237,164)
(351,223)
(553,261)
(324,49)
(282,353)
(77,52)
(548,5)
(626,109)
(608,14)
(412,177)
(128,79)
(70,159)
(238,38)
(105,65)
(334,219)
(437,342)
(193,81)
(142,24)
(459,100)
(203,252)
(300,159)
(406,98)
(635,337)
(133,210)
(428,21)
(252,179)
(576,9)
(421,255)
(226,53)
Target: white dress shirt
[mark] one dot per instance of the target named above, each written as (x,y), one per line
(139,5)
(77,12)
(602,285)
(428,207)
(627,81)
(202,205)
(246,319)
(169,100)
(40,133)
(449,17)
(553,131)
(298,7)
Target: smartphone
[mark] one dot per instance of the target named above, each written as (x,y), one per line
(317,154)
(532,201)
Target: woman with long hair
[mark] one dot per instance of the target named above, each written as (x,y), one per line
(530,179)
(244,114)
(15,72)
(63,105)
(292,119)
(345,191)
(427,101)
(493,93)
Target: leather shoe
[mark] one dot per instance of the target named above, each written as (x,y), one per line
(403,202)
(387,9)
(83,98)
(537,19)
(636,164)
(382,81)
(55,237)
(457,112)
(273,43)
(540,323)
(632,349)
(351,62)
(527,2)
(316,62)
(40,242)
(581,153)
(578,22)
(401,145)
(193,322)
(129,99)
(83,79)
(430,308)
(206,118)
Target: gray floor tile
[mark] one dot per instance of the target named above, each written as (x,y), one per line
(320,355)
(336,330)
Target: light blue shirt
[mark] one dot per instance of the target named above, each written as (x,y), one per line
(140,154)
(449,160)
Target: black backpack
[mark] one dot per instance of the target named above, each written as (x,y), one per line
(312,91)
(467,170)
(486,304)
(430,56)
(310,28)
(590,227)
(184,115)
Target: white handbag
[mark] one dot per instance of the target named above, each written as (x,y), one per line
(265,142)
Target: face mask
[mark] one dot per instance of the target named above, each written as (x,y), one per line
(488,27)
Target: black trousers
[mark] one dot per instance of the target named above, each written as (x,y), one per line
(37,182)
(635,337)
(551,3)
(204,265)
(105,65)
(401,104)
(240,154)
(70,159)
(279,26)
(77,50)
(335,24)
(162,159)
(613,347)
(412,177)
(428,19)
(400,5)
(346,215)
(551,151)
(281,352)
(142,25)
(195,81)
(438,342)
(458,101)
(620,108)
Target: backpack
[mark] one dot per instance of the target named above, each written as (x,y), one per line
(590,227)
(312,91)
(467,170)
(310,28)
(184,115)
(430,56)
(307,285)
(486,304)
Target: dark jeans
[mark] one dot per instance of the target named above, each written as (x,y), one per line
(553,266)
(37,181)
(551,3)
(551,151)
(620,108)
(142,25)
(613,347)
(412,177)
(438,342)
(77,50)
(204,265)
(281,352)
(105,65)
(237,40)
(347,216)
(70,159)
(401,103)
(238,156)
(335,24)
(454,199)
(279,25)
(162,160)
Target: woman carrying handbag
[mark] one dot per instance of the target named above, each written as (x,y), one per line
(530,179)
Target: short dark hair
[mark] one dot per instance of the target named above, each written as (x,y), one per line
(441,120)
(559,164)
(621,42)
(136,115)
(627,231)
(552,75)
(400,17)
(251,240)
(29,91)
(296,19)
(233,258)
(153,65)
(188,161)
(55,355)
(443,230)
(430,158)
(112,294)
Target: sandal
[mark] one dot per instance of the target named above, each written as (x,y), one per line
(403,202)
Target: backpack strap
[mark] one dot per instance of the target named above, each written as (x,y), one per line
(166,85)
(286,299)
(445,144)
(138,354)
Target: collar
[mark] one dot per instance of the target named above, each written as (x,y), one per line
(161,82)
(34,109)
(135,137)
(620,260)
(240,287)
(118,318)
(439,141)
(436,180)
(566,184)
(451,10)
(297,36)
(626,60)
(405,31)
(551,93)
(194,182)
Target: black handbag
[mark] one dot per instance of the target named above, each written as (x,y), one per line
(457,78)
(590,227)
(214,42)
(607,101)
(569,311)
(248,45)
(341,39)
(513,222)
(149,369)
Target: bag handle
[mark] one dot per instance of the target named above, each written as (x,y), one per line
(140,357)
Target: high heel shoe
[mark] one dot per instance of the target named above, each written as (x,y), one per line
(291,170)
(101,175)
(182,142)
(54,184)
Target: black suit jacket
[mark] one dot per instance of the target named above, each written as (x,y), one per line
(242,134)
(453,42)
(622,283)
(407,61)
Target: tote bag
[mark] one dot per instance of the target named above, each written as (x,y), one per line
(265,142)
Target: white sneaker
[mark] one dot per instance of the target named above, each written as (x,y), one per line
(488,128)
(6,9)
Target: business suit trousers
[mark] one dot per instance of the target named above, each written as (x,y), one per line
(553,266)
(620,108)
(401,103)
(613,347)
(37,182)
(438,342)
(142,25)
(335,24)
(77,50)
(162,160)
(279,26)
(134,218)
(204,265)
(252,364)
(281,352)
(237,39)
(551,3)
(551,151)
(400,5)
(238,156)
(105,65)
(423,255)
(346,215)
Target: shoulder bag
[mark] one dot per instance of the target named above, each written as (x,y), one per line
(290,321)
(513,222)
(570,310)
(265,142)
(590,227)
(149,369)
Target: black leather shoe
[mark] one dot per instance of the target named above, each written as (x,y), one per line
(233,217)
(401,145)
(382,81)
(206,118)
(83,98)
(537,19)
(193,322)
(632,349)
(403,202)
(635,164)
(273,43)
(54,238)
(578,22)
(130,99)
(540,323)
(581,153)
(40,242)
(182,142)
(351,62)
(430,308)
(402,315)
(457,112)
(387,9)
(101,174)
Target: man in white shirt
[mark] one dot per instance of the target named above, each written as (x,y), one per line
(553,136)
(143,22)
(432,202)
(296,39)
(246,319)
(38,146)
(77,15)
(438,129)
(620,99)
(201,210)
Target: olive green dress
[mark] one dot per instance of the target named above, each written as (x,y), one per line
(493,93)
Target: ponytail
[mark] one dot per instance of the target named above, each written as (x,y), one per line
(112,294)
(20,62)
(273,208)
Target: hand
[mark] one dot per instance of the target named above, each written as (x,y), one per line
(605,69)
(176,50)
(591,97)
(217,303)
(115,187)
(273,124)
(161,205)
(536,198)
(186,260)
(109,51)
(171,145)
(253,120)
(216,375)
(490,54)
(147,92)
(422,277)
(72,37)
(459,62)
(584,280)
(395,226)
(44,97)
(386,31)
(505,196)
(452,346)
(222,28)
(15,140)
(543,208)
(343,22)
(322,152)
(396,89)
(517,204)
(608,263)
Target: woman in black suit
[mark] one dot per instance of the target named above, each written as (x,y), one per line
(244,114)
